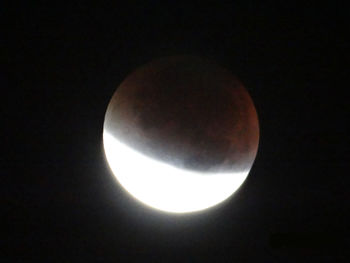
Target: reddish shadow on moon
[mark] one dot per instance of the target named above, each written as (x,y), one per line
(187,112)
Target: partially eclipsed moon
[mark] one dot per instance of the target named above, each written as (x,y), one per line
(181,134)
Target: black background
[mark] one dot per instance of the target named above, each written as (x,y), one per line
(61,65)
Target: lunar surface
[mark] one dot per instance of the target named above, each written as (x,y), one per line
(181,134)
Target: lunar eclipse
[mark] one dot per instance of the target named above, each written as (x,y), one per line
(181,134)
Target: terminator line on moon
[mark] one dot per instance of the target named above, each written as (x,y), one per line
(181,134)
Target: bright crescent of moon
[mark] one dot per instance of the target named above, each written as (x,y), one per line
(166,187)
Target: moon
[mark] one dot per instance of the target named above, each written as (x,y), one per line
(181,134)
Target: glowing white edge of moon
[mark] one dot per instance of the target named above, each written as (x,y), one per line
(166,187)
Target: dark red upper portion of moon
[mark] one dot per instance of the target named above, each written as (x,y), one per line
(188,112)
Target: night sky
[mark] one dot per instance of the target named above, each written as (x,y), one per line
(60,67)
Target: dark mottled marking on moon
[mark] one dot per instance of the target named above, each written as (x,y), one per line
(188,112)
